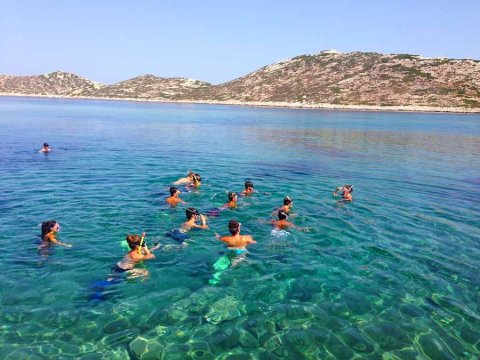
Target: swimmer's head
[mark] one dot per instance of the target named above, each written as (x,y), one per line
(133,240)
(196,177)
(287,200)
(45,145)
(282,215)
(48,226)
(349,188)
(173,190)
(234,227)
(190,212)
(248,184)
(232,196)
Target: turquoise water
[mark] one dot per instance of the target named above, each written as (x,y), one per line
(393,275)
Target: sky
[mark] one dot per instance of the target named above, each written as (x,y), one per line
(216,41)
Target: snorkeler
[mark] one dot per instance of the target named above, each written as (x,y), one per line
(139,252)
(232,201)
(181,234)
(248,188)
(46,148)
(195,183)
(49,233)
(192,216)
(346,192)
(174,199)
(282,223)
(286,207)
(185,180)
(236,241)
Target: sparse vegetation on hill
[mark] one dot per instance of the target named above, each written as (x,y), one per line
(326,78)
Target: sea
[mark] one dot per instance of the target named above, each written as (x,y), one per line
(394,274)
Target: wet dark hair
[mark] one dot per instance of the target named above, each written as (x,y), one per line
(348,187)
(45,145)
(173,190)
(282,215)
(133,240)
(287,200)
(231,196)
(190,212)
(234,227)
(196,177)
(47,226)
(248,184)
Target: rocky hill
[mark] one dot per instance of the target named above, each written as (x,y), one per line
(55,83)
(329,77)
(360,79)
(148,87)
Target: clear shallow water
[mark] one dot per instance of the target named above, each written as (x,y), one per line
(394,274)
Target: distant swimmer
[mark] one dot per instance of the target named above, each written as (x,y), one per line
(174,199)
(46,148)
(195,183)
(282,223)
(346,191)
(248,188)
(139,251)
(49,233)
(286,207)
(232,201)
(185,180)
(236,241)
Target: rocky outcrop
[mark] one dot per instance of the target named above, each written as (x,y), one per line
(55,83)
(149,87)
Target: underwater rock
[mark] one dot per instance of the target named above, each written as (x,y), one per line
(116,326)
(355,340)
(388,336)
(27,352)
(224,309)
(319,334)
(226,338)
(120,338)
(301,346)
(433,347)
(338,349)
(200,350)
(176,352)
(273,343)
(247,340)
(138,347)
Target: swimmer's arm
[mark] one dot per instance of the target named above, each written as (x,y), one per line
(250,240)
(55,241)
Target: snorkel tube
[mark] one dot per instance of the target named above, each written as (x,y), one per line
(142,243)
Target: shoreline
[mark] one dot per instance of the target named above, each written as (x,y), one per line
(296,105)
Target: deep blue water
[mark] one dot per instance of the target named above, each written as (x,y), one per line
(392,275)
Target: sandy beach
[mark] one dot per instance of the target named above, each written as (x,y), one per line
(294,105)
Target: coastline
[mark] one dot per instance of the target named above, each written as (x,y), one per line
(296,105)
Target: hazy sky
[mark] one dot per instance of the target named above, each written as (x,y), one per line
(216,41)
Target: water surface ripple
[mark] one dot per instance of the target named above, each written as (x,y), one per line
(393,275)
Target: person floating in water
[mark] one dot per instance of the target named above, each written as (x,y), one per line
(232,201)
(192,217)
(195,220)
(185,180)
(139,251)
(248,188)
(282,223)
(237,246)
(286,207)
(49,233)
(174,199)
(346,191)
(195,183)
(46,148)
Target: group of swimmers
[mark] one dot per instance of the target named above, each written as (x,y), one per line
(235,241)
